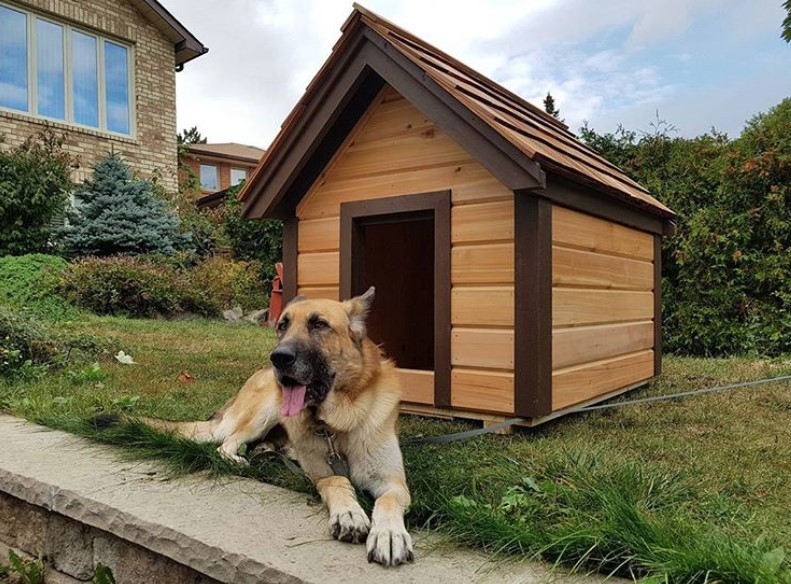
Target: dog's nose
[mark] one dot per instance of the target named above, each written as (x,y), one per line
(283,357)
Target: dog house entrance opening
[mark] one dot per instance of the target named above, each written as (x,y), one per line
(395,253)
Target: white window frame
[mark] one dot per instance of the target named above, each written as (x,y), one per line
(243,170)
(32,73)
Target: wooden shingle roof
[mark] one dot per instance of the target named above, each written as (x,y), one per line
(539,138)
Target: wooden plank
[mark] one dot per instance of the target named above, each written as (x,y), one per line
(578,230)
(417,386)
(583,382)
(489,306)
(471,347)
(487,391)
(319,235)
(318,269)
(482,264)
(330,293)
(578,307)
(572,267)
(392,118)
(428,148)
(572,346)
(469,182)
(483,222)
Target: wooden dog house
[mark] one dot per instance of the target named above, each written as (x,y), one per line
(517,271)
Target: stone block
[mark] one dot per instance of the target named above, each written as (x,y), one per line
(69,546)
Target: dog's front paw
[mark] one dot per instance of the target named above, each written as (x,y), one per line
(390,546)
(350,525)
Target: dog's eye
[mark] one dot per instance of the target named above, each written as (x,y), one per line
(317,324)
(282,325)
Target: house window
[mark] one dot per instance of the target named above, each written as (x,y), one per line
(208,177)
(13,59)
(55,71)
(238,175)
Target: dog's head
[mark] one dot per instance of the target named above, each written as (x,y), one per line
(320,348)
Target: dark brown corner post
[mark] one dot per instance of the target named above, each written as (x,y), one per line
(533,305)
(354,214)
(290,227)
(657,304)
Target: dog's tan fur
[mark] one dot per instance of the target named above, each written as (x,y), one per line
(361,407)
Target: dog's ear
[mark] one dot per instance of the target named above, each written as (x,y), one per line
(358,308)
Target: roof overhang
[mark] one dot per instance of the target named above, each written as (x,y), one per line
(338,97)
(186,45)
(363,60)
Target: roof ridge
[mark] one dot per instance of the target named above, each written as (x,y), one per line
(373,16)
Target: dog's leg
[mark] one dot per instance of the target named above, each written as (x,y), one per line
(389,543)
(348,521)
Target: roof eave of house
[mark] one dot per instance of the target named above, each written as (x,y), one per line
(187,46)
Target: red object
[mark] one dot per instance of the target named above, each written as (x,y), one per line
(276,299)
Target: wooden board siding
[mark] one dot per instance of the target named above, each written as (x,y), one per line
(395,150)
(602,307)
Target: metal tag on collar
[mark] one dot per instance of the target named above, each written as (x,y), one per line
(335,459)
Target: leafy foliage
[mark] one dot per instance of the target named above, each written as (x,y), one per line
(727,272)
(34,192)
(117,213)
(149,286)
(786,32)
(29,283)
(253,239)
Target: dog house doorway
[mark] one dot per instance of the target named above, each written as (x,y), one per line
(401,245)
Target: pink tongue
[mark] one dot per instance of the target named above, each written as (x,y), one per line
(293,400)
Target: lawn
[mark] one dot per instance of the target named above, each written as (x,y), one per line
(694,490)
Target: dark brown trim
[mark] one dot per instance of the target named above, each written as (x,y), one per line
(439,204)
(657,304)
(188,47)
(573,196)
(318,129)
(290,228)
(533,306)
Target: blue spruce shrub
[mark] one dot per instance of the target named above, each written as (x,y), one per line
(116,213)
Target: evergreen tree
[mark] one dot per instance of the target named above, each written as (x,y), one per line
(116,213)
(191,136)
(549,106)
(786,26)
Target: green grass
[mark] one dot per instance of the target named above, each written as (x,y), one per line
(687,491)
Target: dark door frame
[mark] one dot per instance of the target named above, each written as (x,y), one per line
(355,214)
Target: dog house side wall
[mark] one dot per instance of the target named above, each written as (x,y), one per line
(395,150)
(605,318)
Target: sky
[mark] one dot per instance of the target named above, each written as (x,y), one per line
(693,64)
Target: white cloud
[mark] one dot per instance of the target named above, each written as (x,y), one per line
(264,52)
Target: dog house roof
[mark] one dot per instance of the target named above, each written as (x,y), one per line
(478,113)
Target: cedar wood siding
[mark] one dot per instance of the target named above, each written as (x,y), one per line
(395,150)
(602,307)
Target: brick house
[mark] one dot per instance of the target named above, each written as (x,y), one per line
(102,72)
(219,167)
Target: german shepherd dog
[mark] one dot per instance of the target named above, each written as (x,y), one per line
(328,376)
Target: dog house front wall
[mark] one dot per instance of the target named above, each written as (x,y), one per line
(395,150)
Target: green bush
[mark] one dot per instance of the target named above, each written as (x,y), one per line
(253,239)
(130,286)
(34,192)
(727,272)
(24,343)
(29,283)
(231,283)
(149,286)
